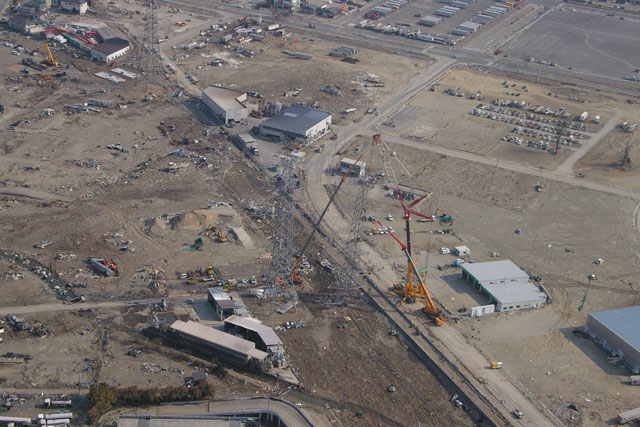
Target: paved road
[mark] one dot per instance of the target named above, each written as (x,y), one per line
(291,415)
(567,166)
(462,353)
(528,170)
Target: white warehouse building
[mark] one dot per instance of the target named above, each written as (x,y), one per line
(110,50)
(506,285)
(301,124)
(226,104)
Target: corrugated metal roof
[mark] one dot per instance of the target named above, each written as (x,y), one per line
(624,322)
(493,271)
(297,117)
(205,333)
(267,335)
(515,292)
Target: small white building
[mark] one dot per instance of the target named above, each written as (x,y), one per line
(302,124)
(357,168)
(75,6)
(110,49)
(461,251)
(226,104)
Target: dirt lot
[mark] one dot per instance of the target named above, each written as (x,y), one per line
(564,230)
(436,118)
(604,161)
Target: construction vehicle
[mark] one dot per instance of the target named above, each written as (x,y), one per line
(293,276)
(496,365)
(49,61)
(106,267)
(444,218)
(180,23)
(430,308)
(408,290)
(222,238)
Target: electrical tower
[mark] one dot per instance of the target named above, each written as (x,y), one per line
(280,281)
(148,57)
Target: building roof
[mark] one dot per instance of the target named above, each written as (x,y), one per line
(111,46)
(514,292)
(199,375)
(205,333)
(623,322)
(225,304)
(349,161)
(267,335)
(493,271)
(227,99)
(107,33)
(297,117)
(76,2)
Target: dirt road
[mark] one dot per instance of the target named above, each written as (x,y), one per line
(42,308)
(567,166)
(451,342)
(528,170)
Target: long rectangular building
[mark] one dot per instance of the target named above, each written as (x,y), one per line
(218,343)
(618,331)
(505,284)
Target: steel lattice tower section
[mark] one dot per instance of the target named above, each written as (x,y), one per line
(280,282)
(148,62)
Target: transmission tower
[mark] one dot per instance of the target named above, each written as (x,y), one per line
(148,61)
(280,281)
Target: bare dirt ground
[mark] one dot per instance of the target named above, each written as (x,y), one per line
(604,161)
(143,205)
(564,230)
(438,118)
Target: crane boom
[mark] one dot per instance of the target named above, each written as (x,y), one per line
(430,307)
(317,224)
(52,62)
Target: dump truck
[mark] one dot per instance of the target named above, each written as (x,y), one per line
(496,365)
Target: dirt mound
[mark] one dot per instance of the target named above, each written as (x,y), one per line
(156,226)
(201,218)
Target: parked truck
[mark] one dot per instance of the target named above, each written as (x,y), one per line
(496,365)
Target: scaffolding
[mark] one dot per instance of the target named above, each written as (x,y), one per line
(280,284)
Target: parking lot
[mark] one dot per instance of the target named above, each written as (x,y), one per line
(584,40)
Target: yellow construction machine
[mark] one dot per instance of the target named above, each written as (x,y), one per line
(49,61)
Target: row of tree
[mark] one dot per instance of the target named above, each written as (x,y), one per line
(103,397)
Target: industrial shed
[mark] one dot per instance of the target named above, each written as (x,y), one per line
(221,302)
(505,284)
(618,332)
(253,330)
(358,168)
(218,343)
(298,123)
(226,104)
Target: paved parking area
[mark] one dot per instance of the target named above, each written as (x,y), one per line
(585,40)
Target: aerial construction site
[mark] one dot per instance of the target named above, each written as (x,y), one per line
(309,213)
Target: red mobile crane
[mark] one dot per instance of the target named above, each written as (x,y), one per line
(430,308)
(408,291)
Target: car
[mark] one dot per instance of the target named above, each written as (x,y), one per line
(190,301)
(444,251)
(389,218)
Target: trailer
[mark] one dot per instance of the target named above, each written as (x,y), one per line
(445,13)
(583,117)
(459,32)
(429,21)
(482,19)
(459,4)
(628,416)
(634,380)
(57,403)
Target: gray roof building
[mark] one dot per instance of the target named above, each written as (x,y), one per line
(253,330)
(618,331)
(505,284)
(209,336)
(495,272)
(298,123)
